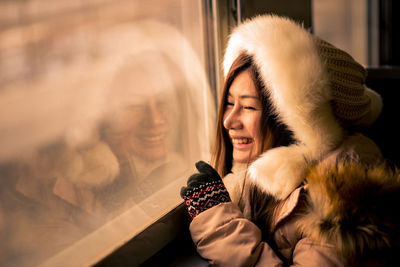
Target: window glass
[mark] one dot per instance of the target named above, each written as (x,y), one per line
(104,108)
(345,24)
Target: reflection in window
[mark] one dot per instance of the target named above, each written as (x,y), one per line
(104,109)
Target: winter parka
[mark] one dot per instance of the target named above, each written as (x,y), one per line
(342,215)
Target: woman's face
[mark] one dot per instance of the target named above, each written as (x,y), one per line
(143,113)
(242,118)
(145,128)
(141,128)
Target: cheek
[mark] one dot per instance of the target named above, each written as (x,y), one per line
(125,121)
(254,126)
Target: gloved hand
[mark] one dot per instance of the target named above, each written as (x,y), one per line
(204,190)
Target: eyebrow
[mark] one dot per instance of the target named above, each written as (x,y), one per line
(245,96)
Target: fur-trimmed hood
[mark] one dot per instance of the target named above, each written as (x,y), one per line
(298,84)
(353,206)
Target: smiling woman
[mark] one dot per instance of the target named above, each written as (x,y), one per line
(142,121)
(242,118)
(248,125)
(143,108)
(291,174)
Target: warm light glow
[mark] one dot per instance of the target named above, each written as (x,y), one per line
(104,108)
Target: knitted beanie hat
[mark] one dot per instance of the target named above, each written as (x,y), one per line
(315,89)
(352,102)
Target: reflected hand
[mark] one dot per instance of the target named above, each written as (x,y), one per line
(204,190)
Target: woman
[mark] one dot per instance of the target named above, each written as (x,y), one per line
(313,194)
(140,126)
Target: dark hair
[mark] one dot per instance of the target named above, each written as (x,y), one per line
(273,133)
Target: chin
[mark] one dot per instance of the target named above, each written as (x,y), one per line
(153,154)
(242,158)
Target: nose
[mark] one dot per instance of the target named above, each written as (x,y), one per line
(155,115)
(232,119)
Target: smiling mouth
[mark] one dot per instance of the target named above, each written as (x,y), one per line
(154,138)
(244,140)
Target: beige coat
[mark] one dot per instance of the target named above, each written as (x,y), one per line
(307,227)
(226,238)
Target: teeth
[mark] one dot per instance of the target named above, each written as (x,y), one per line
(153,138)
(242,141)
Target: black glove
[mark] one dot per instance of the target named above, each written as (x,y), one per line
(204,190)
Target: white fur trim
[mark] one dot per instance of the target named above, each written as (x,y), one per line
(297,82)
(279,170)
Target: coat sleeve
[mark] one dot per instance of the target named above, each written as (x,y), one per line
(225,238)
(309,253)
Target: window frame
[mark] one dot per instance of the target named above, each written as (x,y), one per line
(147,243)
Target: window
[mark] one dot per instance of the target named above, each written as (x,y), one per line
(345,24)
(363,28)
(104,109)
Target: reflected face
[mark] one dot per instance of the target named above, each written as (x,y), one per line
(140,128)
(143,104)
(242,118)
